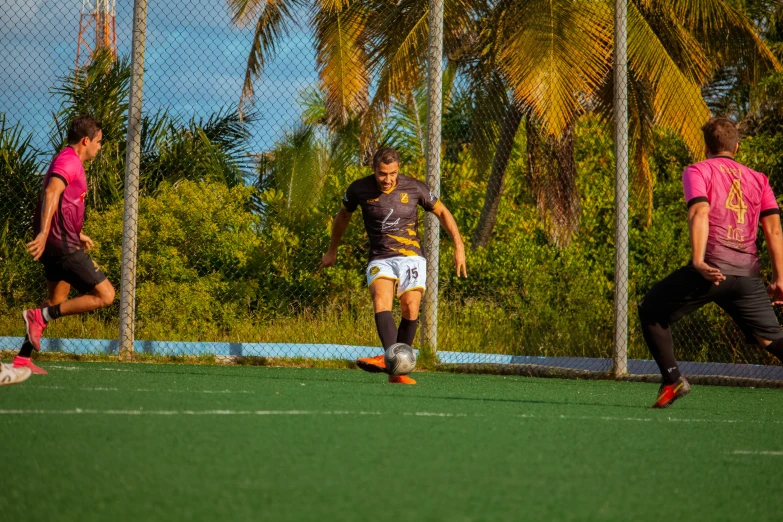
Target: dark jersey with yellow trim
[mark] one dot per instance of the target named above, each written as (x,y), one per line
(391,219)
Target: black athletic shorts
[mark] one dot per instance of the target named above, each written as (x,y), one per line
(77,269)
(744,298)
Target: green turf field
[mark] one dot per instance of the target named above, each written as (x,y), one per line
(113,442)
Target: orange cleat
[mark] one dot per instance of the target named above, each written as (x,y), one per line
(401,379)
(669,393)
(372,364)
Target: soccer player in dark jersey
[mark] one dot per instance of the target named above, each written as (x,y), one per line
(59,243)
(388,201)
(726,201)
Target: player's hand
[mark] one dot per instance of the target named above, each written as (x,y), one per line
(86,242)
(775,291)
(329,259)
(709,273)
(36,246)
(459,260)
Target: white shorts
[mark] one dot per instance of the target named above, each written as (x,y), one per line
(410,272)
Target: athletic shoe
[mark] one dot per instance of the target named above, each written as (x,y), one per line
(668,393)
(401,379)
(372,364)
(11,375)
(27,362)
(35,324)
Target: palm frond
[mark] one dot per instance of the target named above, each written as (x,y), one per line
(677,100)
(274,18)
(342,60)
(557,53)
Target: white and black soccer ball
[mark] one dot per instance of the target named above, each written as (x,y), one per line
(400,359)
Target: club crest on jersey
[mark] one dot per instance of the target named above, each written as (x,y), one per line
(374,270)
(403,197)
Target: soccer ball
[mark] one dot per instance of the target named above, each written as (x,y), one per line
(400,359)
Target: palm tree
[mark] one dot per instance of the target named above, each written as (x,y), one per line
(547,62)
(555,58)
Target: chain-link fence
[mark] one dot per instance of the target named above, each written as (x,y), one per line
(232,130)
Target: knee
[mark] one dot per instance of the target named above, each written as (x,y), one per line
(106,295)
(409,310)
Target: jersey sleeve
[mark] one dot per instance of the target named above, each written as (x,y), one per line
(694,186)
(66,168)
(426,198)
(769,205)
(351,198)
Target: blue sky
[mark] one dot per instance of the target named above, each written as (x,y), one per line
(195,62)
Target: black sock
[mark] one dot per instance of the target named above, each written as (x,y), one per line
(776,348)
(407,331)
(659,341)
(387,330)
(50,313)
(27,348)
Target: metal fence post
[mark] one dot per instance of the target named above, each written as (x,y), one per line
(621,189)
(132,167)
(429,330)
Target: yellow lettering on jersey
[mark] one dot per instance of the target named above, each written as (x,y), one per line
(403,197)
(410,232)
(372,200)
(405,241)
(735,234)
(735,203)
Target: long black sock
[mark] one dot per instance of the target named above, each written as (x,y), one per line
(387,330)
(776,348)
(50,313)
(406,333)
(659,341)
(27,348)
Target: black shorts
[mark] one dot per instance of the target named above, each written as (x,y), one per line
(744,298)
(77,269)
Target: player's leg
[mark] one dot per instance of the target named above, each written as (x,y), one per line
(750,308)
(412,272)
(671,299)
(80,272)
(381,281)
(410,302)
(57,293)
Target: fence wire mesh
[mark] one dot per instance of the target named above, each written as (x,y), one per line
(256,117)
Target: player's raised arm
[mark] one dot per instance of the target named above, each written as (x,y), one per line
(774,235)
(699,226)
(51,195)
(339,226)
(448,223)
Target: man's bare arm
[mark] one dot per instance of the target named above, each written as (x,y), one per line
(448,223)
(54,190)
(772,232)
(339,226)
(699,226)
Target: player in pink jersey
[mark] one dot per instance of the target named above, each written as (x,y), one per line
(59,243)
(726,202)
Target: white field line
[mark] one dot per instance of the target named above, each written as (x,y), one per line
(765,453)
(146,390)
(80,411)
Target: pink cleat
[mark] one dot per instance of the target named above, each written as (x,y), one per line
(35,324)
(27,362)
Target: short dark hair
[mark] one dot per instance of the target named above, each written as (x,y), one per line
(83,127)
(720,135)
(385,155)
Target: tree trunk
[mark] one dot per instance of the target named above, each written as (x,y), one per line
(552,180)
(489,213)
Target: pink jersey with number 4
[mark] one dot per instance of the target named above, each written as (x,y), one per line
(739,197)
